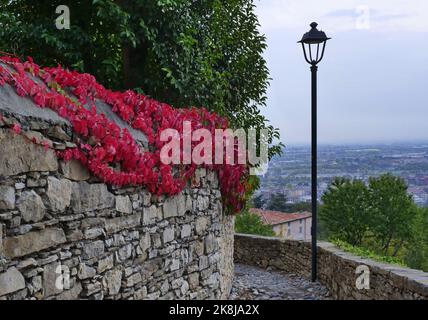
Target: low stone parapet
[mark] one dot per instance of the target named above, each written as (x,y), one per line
(347,276)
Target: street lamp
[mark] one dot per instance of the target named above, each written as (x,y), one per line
(313,44)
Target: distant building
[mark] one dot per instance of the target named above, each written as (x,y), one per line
(292,226)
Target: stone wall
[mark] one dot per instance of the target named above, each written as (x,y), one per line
(66,235)
(337,270)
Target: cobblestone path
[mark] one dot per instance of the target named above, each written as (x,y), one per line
(259,284)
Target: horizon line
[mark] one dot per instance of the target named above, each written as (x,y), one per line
(380,142)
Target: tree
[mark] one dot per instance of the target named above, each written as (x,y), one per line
(251,223)
(277,202)
(392,212)
(186,53)
(258,201)
(298,207)
(381,217)
(417,249)
(345,210)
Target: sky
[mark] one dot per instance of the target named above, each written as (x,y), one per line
(372,82)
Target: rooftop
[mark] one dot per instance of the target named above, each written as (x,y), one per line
(278,217)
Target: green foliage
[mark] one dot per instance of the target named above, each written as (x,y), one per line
(380,219)
(416,255)
(258,201)
(367,253)
(187,53)
(277,202)
(251,223)
(345,210)
(93,43)
(298,207)
(392,211)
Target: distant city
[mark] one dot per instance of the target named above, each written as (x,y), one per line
(291,173)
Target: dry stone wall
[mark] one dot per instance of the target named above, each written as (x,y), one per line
(66,235)
(337,270)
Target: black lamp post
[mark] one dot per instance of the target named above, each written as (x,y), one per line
(311,42)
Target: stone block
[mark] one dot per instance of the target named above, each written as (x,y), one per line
(74,170)
(33,242)
(174,206)
(36,183)
(201,225)
(85,272)
(58,133)
(11,281)
(20,155)
(18,186)
(127,222)
(91,288)
(105,264)
(89,197)
(210,243)
(72,294)
(123,204)
(203,263)
(168,234)
(31,206)
(133,280)
(37,283)
(186,231)
(124,253)
(93,233)
(7,198)
(193,280)
(112,281)
(93,249)
(150,214)
(145,241)
(1,240)
(202,203)
(59,194)
(55,279)
(140,294)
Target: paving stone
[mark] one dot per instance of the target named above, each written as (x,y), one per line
(252,283)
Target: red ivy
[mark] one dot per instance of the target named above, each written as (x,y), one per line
(111,147)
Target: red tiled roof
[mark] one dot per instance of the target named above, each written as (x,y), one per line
(278,217)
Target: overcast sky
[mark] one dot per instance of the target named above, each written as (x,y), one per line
(373,81)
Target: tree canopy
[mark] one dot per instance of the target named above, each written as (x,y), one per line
(380,216)
(345,210)
(251,223)
(186,53)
